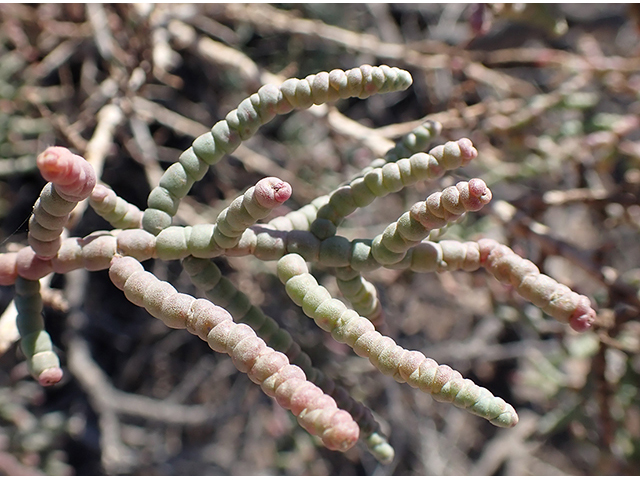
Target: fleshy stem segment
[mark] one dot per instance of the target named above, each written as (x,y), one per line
(438,210)
(415,141)
(386,249)
(316,412)
(551,297)
(412,367)
(95,251)
(114,209)
(324,215)
(253,112)
(409,145)
(206,241)
(71,180)
(207,276)
(35,342)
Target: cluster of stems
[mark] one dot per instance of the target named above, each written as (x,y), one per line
(242,123)
(227,320)
(412,367)
(315,411)
(207,276)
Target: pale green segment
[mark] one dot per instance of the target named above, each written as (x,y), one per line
(176,181)
(207,241)
(47,220)
(380,448)
(37,231)
(117,211)
(361,294)
(53,203)
(267,244)
(155,220)
(416,141)
(161,199)
(42,361)
(297,287)
(46,241)
(172,243)
(313,298)
(35,341)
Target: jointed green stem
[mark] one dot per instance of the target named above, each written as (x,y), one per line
(35,342)
(207,276)
(71,179)
(114,209)
(360,293)
(412,367)
(253,112)
(415,141)
(316,412)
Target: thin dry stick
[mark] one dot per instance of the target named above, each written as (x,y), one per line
(97,384)
(268,18)
(109,118)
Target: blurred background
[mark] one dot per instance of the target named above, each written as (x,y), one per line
(550,96)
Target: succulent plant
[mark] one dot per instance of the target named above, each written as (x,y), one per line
(226,320)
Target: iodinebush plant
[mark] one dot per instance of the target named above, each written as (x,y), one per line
(227,320)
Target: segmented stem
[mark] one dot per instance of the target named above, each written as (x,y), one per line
(72,176)
(361,294)
(389,178)
(207,241)
(415,141)
(253,112)
(316,412)
(114,209)
(553,298)
(207,276)
(412,367)
(35,342)
(423,167)
(438,210)
(71,180)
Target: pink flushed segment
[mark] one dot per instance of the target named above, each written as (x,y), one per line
(117,211)
(50,376)
(30,266)
(412,367)
(474,195)
(73,177)
(583,316)
(478,189)
(552,297)
(99,193)
(271,192)
(467,149)
(442,207)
